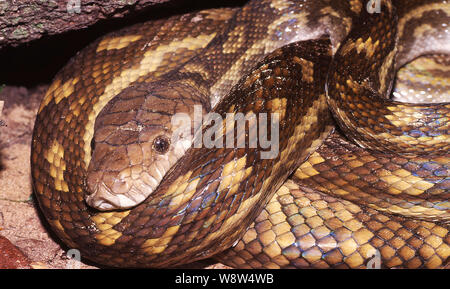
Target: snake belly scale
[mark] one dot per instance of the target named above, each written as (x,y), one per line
(113,183)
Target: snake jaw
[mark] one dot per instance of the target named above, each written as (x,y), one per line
(104,199)
(121,191)
(125,188)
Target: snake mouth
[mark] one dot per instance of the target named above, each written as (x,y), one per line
(110,192)
(125,188)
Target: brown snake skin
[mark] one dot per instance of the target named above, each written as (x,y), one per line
(103,137)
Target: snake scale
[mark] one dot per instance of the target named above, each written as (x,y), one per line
(113,182)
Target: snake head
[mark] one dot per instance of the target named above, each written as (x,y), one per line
(134,146)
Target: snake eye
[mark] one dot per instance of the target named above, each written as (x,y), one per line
(161,144)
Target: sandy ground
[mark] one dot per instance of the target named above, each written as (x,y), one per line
(20,219)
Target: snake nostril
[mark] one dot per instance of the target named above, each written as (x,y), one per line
(161,144)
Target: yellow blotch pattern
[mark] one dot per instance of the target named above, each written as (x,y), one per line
(55,157)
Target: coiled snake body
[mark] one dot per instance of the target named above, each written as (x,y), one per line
(104,136)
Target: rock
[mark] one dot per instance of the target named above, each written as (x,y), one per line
(23,21)
(11,257)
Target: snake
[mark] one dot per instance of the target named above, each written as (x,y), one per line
(122,173)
